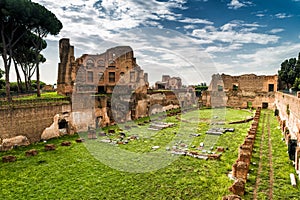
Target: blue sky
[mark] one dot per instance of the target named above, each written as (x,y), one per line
(187,38)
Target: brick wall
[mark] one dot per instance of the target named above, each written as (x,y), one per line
(289,111)
(29,120)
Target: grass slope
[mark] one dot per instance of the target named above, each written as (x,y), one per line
(73,173)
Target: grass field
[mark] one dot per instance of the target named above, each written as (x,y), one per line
(75,172)
(46,95)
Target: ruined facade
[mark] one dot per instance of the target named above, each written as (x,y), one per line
(111,88)
(98,73)
(243,91)
(105,88)
(169,83)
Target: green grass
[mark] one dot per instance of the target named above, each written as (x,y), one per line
(46,95)
(74,173)
(282,166)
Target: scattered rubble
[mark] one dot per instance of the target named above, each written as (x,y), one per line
(242,121)
(160,125)
(9,143)
(9,158)
(50,147)
(79,140)
(31,152)
(66,143)
(219,131)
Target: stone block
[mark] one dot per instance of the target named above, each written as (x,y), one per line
(220,149)
(9,143)
(245,157)
(242,170)
(234,169)
(9,158)
(66,143)
(246,148)
(50,147)
(31,152)
(238,187)
(79,140)
(214,156)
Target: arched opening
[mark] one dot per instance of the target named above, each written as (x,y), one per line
(62,124)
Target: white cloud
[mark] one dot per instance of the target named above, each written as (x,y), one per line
(268,59)
(196,21)
(264,61)
(224,48)
(107,17)
(189,27)
(276,30)
(283,15)
(228,27)
(93,26)
(260,15)
(236,4)
(235,33)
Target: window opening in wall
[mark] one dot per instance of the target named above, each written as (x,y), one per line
(288,109)
(62,124)
(122,74)
(271,87)
(89,63)
(265,105)
(220,88)
(101,89)
(111,77)
(101,64)
(101,76)
(235,87)
(90,77)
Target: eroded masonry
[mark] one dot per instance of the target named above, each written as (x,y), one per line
(111,87)
(243,91)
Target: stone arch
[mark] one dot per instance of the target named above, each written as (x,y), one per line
(100,63)
(90,63)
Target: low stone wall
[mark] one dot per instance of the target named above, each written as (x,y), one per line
(29,120)
(241,167)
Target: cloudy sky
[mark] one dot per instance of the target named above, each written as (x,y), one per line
(187,38)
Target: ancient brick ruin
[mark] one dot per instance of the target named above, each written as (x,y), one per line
(240,168)
(169,83)
(98,73)
(111,88)
(287,111)
(243,91)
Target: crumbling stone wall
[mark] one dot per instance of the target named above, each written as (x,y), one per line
(169,83)
(243,91)
(289,113)
(109,88)
(29,120)
(240,168)
(66,67)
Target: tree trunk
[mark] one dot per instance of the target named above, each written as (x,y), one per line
(38,91)
(6,65)
(19,81)
(7,86)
